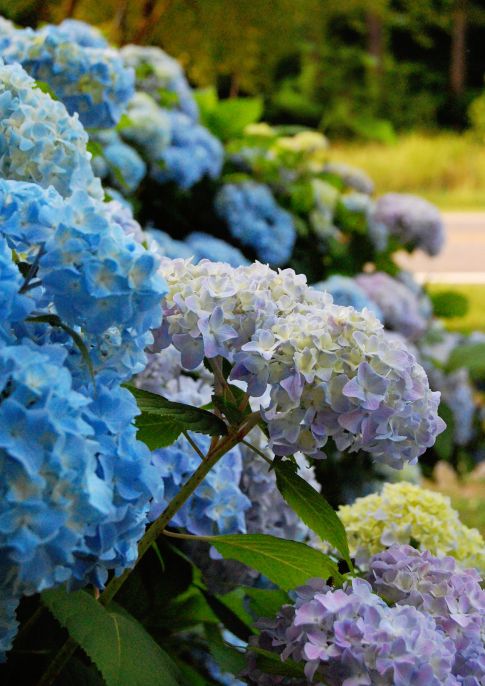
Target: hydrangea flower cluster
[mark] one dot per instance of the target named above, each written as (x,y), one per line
(119,162)
(435,586)
(197,245)
(399,305)
(345,291)
(39,141)
(218,505)
(147,127)
(457,393)
(76,483)
(255,219)
(351,636)
(413,220)
(361,204)
(192,153)
(405,513)
(161,77)
(331,370)
(83,34)
(351,177)
(91,81)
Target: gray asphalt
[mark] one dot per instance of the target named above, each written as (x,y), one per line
(463,256)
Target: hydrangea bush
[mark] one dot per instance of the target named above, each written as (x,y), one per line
(167,404)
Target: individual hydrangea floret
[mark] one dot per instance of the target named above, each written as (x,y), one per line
(412,220)
(256,220)
(192,153)
(345,291)
(205,246)
(161,77)
(438,588)
(351,636)
(93,82)
(218,505)
(39,141)
(331,370)
(400,307)
(405,513)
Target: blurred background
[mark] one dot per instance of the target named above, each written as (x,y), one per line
(398,88)
(371,74)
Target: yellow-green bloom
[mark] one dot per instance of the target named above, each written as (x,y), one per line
(405,513)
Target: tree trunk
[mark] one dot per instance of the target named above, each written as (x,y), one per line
(152,12)
(71,8)
(458,48)
(375,39)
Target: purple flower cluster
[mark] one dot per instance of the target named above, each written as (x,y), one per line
(413,220)
(400,306)
(439,588)
(425,633)
(332,371)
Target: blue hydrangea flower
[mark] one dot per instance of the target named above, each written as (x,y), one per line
(83,34)
(162,77)
(205,246)
(125,166)
(163,244)
(345,291)
(147,127)
(218,505)
(255,219)
(8,624)
(39,141)
(193,153)
(14,307)
(352,177)
(93,82)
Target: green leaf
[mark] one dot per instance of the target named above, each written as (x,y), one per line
(271,663)
(470,356)
(124,653)
(227,118)
(162,421)
(266,602)
(312,507)
(449,303)
(95,148)
(287,564)
(227,657)
(206,99)
(445,443)
(46,88)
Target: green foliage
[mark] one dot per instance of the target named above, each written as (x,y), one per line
(449,304)
(162,421)
(471,356)
(312,508)
(286,563)
(444,444)
(119,646)
(227,119)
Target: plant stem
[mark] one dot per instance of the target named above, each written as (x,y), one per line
(257,451)
(194,445)
(235,436)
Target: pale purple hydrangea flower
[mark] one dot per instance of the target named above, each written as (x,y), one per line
(439,588)
(413,220)
(400,307)
(332,371)
(351,637)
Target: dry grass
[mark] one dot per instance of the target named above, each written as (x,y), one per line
(446,168)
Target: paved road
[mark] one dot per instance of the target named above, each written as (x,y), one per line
(463,257)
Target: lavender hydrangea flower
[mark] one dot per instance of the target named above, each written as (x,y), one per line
(352,177)
(351,636)
(256,220)
(398,304)
(331,370)
(413,220)
(437,587)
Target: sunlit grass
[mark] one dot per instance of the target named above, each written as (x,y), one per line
(474,320)
(446,168)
